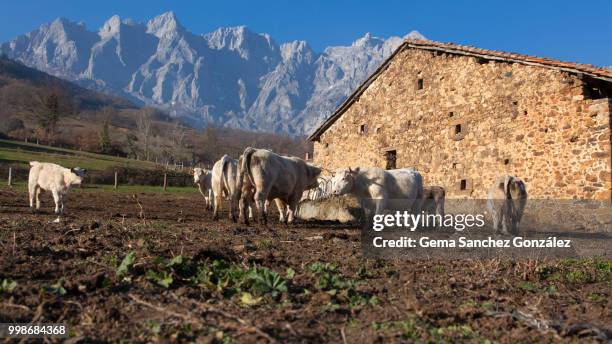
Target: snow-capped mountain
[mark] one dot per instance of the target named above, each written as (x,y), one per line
(231,76)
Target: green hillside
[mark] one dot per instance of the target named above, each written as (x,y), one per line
(22,153)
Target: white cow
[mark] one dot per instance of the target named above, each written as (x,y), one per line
(54,178)
(245,198)
(273,176)
(506,201)
(379,190)
(203,178)
(223,180)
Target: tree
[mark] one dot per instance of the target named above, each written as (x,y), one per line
(104,140)
(132,146)
(144,130)
(178,140)
(49,117)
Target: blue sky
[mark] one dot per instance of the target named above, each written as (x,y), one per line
(568,30)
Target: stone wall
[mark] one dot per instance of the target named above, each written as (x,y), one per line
(468,121)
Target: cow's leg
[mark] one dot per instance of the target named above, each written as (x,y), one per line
(246,204)
(243,206)
(292,207)
(56,199)
(507,218)
(251,211)
(280,205)
(32,189)
(378,195)
(62,199)
(38,191)
(201,191)
(234,210)
(260,200)
(216,206)
(512,218)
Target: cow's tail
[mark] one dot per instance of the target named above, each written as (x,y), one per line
(246,163)
(225,172)
(507,182)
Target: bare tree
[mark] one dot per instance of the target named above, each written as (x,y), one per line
(145,123)
(178,139)
(104,139)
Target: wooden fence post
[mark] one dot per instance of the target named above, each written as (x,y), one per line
(165,181)
(10,176)
(116,180)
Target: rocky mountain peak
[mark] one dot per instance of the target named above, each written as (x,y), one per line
(165,25)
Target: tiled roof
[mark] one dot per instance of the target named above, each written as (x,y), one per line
(451,48)
(511,57)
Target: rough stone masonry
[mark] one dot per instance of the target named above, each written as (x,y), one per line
(463,120)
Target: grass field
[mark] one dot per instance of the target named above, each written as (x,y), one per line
(22,153)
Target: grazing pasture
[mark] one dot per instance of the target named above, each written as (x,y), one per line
(23,153)
(146,266)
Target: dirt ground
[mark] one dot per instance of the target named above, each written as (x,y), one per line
(156,268)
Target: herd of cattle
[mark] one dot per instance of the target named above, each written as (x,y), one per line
(260,176)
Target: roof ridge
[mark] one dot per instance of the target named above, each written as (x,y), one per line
(585,67)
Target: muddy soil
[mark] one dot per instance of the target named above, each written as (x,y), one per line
(237,283)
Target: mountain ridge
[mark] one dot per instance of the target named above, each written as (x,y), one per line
(228,77)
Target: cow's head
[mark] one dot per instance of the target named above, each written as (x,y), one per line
(343,181)
(80,175)
(80,172)
(313,176)
(198,174)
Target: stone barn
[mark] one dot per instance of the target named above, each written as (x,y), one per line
(464,116)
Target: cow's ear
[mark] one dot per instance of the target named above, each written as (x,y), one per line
(73,170)
(350,170)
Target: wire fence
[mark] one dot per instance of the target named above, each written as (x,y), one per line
(17,173)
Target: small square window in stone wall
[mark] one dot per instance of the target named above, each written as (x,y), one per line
(391,159)
(464,185)
(420,84)
(457,130)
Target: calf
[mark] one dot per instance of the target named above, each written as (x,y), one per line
(203,178)
(54,178)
